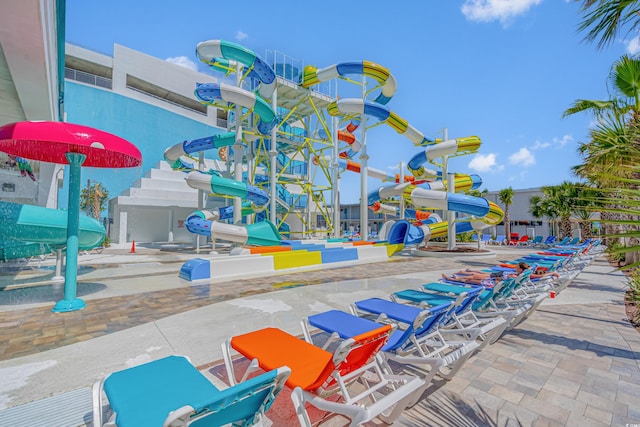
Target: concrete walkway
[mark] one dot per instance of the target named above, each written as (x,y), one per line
(573,362)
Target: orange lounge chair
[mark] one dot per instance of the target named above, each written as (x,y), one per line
(522,241)
(351,375)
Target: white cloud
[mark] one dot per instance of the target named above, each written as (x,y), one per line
(483,163)
(523,157)
(241,35)
(496,10)
(561,142)
(183,61)
(633,45)
(540,145)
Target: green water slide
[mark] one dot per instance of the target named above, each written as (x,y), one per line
(27,230)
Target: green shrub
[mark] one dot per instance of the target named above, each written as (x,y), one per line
(616,253)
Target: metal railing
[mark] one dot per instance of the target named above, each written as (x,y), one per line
(291,69)
(88,78)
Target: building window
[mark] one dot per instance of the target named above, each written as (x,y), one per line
(165,95)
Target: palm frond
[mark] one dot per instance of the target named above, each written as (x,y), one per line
(605,19)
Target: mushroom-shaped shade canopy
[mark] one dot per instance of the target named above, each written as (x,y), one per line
(51,141)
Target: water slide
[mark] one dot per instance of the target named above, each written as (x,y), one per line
(383,176)
(204,222)
(312,76)
(178,155)
(449,148)
(482,213)
(431,195)
(221,55)
(30,230)
(351,106)
(210,93)
(347,136)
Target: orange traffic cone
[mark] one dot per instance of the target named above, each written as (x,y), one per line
(133,247)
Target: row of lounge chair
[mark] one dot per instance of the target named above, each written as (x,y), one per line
(349,363)
(537,242)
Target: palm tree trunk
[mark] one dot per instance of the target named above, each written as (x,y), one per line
(507,224)
(565,227)
(585,230)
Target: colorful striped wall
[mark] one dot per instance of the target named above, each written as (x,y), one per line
(291,255)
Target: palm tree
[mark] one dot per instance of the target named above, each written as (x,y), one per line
(605,19)
(540,207)
(610,151)
(564,197)
(613,149)
(584,207)
(611,158)
(557,201)
(94,199)
(624,79)
(506,198)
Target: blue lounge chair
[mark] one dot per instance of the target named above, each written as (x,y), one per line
(171,391)
(343,326)
(467,298)
(549,241)
(493,303)
(499,240)
(423,336)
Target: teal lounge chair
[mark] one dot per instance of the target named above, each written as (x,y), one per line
(467,299)
(536,241)
(172,392)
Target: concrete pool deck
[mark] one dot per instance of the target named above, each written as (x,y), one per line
(572,362)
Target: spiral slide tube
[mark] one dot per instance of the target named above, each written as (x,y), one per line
(313,76)
(345,136)
(452,147)
(374,173)
(214,183)
(422,216)
(432,199)
(483,213)
(381,112)
(262,233)
(464,182)
(208,93)
(173,155)
(213,51)
(203,222)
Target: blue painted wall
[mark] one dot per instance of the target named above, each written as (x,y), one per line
(150,128)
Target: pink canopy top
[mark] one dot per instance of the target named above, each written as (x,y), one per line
(50,141)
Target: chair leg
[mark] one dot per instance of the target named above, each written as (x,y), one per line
(297,397)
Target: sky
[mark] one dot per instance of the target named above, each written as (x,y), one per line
(504,70)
